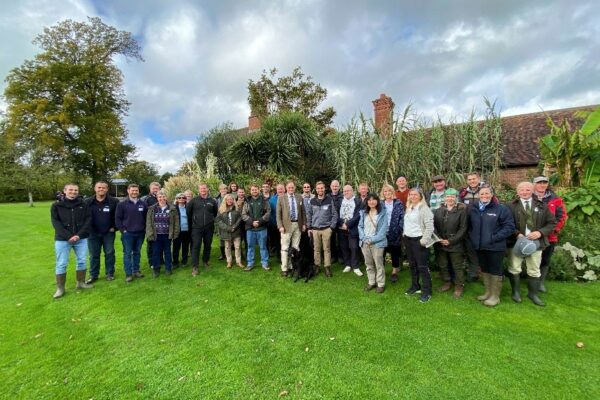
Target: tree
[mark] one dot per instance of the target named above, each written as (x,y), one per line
(69,99)
(293,93)
(215,142)
(141,172)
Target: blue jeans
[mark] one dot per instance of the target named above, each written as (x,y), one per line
(62,248)
(257,237)
(97,242)
(161,247)
(132,244)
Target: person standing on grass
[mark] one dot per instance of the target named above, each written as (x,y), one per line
(162,226)
(321,219)
(183,240)
(535,222)
(402,191)
(348,219)
(436,195)
(273,231)
(557,207)
(418,232)
(130,219)
(395,213)
(229,221)
(291,221)
(102,231)
(71,220)
(220,197)
(372,232)
(337,196)
(450,222)
(150,199)
(256,214)
(240,202)
(489,225)
(201,212)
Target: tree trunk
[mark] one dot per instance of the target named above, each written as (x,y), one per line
(30,196)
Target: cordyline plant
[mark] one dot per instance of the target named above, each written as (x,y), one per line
(419,150)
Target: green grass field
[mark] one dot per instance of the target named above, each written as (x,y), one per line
(230,334)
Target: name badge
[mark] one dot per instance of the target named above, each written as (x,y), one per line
(106,209)
(467,201)
(325,207)
(167,211)
(141,209)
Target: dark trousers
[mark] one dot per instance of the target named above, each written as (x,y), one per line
(546,255)
(394,252)
(182,243)
(491,261)
(161,248)
(417,256)
(451,262)
(201,237)
(132,246)
(472,259)
(348,246)
(97,242)
(335,247)
(274,240)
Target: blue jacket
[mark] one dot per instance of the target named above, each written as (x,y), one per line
(380,237)
(352,223)
(130,216)
(488,230)
(394,233)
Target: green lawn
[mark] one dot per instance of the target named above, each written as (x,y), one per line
(230,334)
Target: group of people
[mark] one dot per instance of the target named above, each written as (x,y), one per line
(467,228)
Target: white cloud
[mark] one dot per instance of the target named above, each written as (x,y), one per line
(167,157)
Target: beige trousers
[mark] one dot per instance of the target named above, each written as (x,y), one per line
(289,239)
(532,263)
(375,265)
(322,240)
(238,252)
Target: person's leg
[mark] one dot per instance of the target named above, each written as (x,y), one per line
(458,262)
(186,241)
(344,250)
(127,242)
(318,244)
(286,240)
(237,244)
(424,273)
(441,257)
(411,248)
(496,278)
(81,252)
(176,250)
(326,242)
(251,242)
(149,252)
(354,256)
(370,266)
(380,267)
(514,275)
(545,266)
(472,261)
(207,237)
(136,253)
(156,256)
(264,251)
(109,254)
(94,247)
(167,253)
(61,251)
(228,257)
(533,277)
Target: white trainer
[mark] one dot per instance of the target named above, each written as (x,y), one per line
(358,272)
(347,269)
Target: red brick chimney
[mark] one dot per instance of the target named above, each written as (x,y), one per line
(253,123)
(383,107)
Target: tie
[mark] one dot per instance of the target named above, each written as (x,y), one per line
(529,214)
(293,210)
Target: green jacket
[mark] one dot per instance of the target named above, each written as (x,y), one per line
(173,222)
(543,220)
(451,226)
(229,229)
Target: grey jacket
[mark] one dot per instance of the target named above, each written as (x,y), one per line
(321,213)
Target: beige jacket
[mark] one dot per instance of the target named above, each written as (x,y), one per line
(283,212)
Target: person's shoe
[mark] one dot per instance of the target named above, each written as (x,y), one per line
(155,272)
(515,284)
(80,276)
(445,287)
(129,278)
(533,284)
(495,283)
(328,272)
(228,265)
(425,298)
(458,291)
(544,272)
(110,277)
(241,266)
(249,268)
(60,286)
(394,278)
(413,290)
(485,277)
(347,269)
(370,287)
(284,274)
(194,271)
(266,268)
(91,280)
(168,272)
(380,289)
(138,274)
(206,265)
(358,272)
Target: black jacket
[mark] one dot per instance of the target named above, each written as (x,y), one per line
(489,229)
(543,220)
(102,221)
(70,218)
(201,212)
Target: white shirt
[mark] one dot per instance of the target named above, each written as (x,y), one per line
(412,226)
(524,203)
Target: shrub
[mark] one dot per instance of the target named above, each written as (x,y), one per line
(583,203)
(570,262)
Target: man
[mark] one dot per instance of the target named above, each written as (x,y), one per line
(266,190)
(240,201)
(102,233)
(130,219)
(469,195)
(150,199)
(348,218)
(436,196)
(307,194)
(336,196)
(534,221)
(201,212)
(403,189)
(273,234)
(291,221)
(71,221)
(321,220)
(363,192)
(255,214)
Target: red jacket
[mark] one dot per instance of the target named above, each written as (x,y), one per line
(558,209)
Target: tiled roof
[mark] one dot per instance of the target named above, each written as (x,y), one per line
(521,133)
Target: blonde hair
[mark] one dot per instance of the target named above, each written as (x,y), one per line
(223,207)
(384,188)
(409,204)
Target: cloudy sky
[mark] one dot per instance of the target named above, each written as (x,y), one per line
(441,56)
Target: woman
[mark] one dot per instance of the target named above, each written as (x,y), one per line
(372,230)
(490,224)
(162,226)
(229,221)
(395,211)
(220,197)
(418,232)
(233,189)
(184,240)
(450,223)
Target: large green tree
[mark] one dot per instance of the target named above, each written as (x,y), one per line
(141,172)
(69,99)
(215,142)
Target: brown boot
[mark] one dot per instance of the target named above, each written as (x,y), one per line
(328,272)
(485,277)
(495,283)
(445,287)
(80,276)
(458,291)
(60,285)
